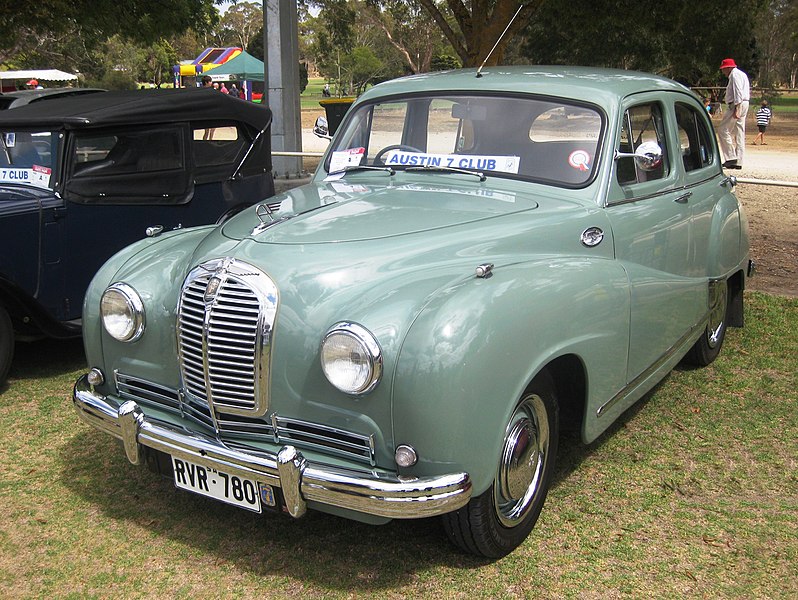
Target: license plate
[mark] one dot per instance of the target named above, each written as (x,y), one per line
(221,486)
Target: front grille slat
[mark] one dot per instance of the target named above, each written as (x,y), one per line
(242,429)
(222,355)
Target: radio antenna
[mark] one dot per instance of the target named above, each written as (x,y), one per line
(501,37)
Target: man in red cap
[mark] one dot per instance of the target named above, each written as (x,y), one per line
(731,131)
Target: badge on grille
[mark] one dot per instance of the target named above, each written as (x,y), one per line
(212,289)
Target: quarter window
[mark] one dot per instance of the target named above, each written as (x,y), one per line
(695,142)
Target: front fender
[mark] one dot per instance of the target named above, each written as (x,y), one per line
(472,351)
(155,267)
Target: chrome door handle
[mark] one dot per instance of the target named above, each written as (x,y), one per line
(684,198)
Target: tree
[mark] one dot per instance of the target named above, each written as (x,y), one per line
(255,48)
(682,39)
(475,28)
(31,29)
(778,44)
(409,29)
(240,24)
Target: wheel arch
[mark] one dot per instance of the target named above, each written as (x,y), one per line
(569,377)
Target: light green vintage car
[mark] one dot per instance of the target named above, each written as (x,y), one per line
(481,260)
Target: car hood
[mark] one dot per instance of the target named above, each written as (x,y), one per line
(347,211)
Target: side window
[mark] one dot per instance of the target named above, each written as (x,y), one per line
(126,152)
(641,124)
(216,145)
(443,128)
(129,166)
(695,143)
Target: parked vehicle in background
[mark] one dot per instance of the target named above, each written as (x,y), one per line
(25,97)
(82,177)
(479,261)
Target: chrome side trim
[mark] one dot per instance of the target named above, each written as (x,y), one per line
(668,355)
(379,494)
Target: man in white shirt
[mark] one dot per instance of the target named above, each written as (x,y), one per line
(731,131)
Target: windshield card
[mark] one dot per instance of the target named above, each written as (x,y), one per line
(346,158)
(504,164)
(38,176)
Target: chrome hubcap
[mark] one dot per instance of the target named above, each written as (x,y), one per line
(526,442)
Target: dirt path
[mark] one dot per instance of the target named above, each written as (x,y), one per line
(772,211)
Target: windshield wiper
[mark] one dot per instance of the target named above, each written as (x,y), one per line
(351,168)
(443,169)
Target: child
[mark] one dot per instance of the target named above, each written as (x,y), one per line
(763,115)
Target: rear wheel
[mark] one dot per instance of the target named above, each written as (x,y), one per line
(494,523)
(6,344)
(707,347)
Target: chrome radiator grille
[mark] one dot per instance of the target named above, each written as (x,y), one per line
(225,321)
(241,432)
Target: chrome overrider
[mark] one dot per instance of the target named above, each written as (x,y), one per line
(301,481)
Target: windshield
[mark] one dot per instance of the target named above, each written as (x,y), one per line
(547,140)
(27,157)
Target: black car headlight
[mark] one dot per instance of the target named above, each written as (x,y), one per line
(122,312)
(351,358)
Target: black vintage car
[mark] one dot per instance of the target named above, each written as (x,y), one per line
(82,177)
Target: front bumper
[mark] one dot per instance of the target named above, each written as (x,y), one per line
(301,482)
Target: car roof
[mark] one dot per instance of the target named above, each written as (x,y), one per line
(136,108)
(22,97)
(587,84)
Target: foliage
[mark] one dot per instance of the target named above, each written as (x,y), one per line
(33,32)
(255,48)
(682,39)
(693,493)
(777,43)
(480,31)
(240,24)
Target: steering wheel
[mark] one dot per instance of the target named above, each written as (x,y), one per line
(381,153)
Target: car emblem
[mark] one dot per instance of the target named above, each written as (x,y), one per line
(212,289)
(592,236)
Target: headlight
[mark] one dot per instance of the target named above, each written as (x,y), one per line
(122,312)
(351,358)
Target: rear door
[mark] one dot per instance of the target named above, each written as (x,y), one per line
(651,220)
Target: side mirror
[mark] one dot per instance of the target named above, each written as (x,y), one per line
(321,129)
(648,156)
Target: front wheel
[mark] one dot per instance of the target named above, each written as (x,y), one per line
(494,523)
(6,344)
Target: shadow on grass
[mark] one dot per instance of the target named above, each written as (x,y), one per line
(46,358)
(572,452)
(332,552)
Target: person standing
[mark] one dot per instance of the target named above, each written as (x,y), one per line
(731,131)
(206,81)
(763,116)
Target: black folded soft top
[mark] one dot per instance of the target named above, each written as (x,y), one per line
(135,108)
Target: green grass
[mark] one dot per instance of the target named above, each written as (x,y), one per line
(782,103)
(694,492)
(312,94)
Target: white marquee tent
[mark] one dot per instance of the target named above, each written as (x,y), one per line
(38,75)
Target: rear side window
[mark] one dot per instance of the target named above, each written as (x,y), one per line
(697,149)
(217,145)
